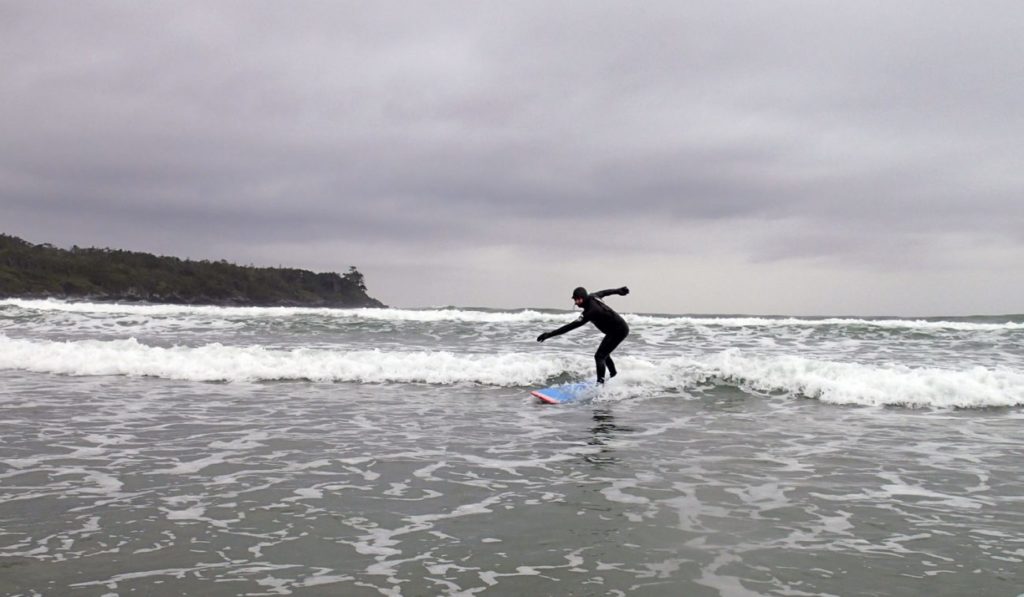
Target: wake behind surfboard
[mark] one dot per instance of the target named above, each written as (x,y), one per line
(565,393)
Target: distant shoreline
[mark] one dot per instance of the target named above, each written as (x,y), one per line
(39,272)
(172,301)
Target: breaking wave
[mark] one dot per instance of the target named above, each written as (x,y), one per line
(1007,323)
(828,381)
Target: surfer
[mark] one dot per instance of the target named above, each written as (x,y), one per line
(605,319)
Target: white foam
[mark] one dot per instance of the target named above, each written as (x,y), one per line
(615,493)
(481,507)
(309,493)
(193,513)
(869,385)
(776,322)
(194,466)
(214,312)
(211,314)
(105,484)
(428,471)
(248,442)
(829,381)
(176,573)
(216,362)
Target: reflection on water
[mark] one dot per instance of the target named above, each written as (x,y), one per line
(602,433)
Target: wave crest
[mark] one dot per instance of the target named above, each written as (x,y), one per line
(828,381)
(488,316)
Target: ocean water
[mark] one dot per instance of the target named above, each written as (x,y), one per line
(171,450)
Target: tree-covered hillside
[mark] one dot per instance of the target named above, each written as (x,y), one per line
(38,271)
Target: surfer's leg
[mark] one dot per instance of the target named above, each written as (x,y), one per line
(603,356)
(599,359)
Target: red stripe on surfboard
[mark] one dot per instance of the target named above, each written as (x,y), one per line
(543,398)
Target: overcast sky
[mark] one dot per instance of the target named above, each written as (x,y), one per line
(764,157)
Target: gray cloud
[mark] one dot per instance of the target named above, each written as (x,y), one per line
(874,137)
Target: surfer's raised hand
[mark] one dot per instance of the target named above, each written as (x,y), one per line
(624,291)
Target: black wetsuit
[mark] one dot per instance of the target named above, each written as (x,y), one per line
(605,319)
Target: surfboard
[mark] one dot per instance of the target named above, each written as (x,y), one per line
(564,393)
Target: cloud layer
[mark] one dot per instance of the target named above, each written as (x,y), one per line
(496,154)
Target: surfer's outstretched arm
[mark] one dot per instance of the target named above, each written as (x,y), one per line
(565,328)
(603,293)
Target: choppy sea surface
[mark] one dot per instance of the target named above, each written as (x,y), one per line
(173,450)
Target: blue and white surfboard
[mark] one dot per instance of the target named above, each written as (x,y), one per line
(564,393)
